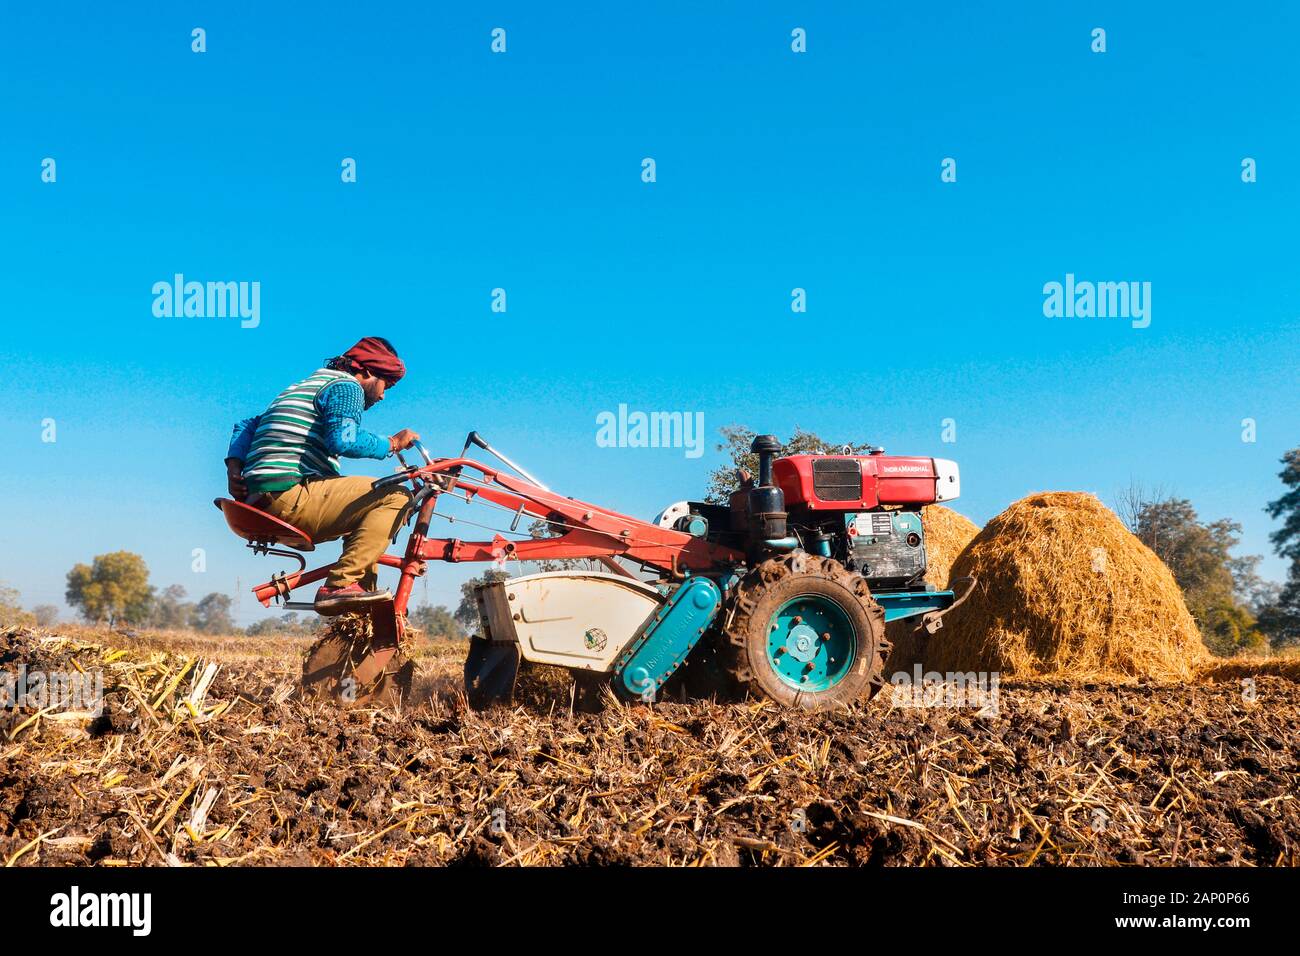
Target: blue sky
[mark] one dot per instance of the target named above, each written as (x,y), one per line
(522,171)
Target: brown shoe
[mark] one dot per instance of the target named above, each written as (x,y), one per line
(330,601)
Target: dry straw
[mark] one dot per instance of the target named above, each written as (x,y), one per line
(1066,590)
(1238,668)
(1057,778)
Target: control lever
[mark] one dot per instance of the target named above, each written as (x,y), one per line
(474,438)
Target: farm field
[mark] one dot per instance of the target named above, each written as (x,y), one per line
(242,772)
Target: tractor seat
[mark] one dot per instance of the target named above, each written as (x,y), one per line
(254,525)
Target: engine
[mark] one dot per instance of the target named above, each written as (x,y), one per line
(862,510)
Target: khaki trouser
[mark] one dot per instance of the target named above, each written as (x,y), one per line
(347,508)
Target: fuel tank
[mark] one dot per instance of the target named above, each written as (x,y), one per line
(859,482)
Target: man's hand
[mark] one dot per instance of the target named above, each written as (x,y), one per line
(402,440)
(235,479)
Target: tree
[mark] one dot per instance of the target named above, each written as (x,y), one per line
(736,440)
(1130,501)
(170,610)
(1215,585)
(1227,627)
(113,589)
(287,625)
(1197,554)
(437,623)
(45,614)
(541,528)
(212,614)
(1286,539)
(467,611)
(11,611)
(1281,618)
(1255,592)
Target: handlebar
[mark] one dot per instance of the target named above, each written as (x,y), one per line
(418,447)
(391,480)
(405,474)
(473,438)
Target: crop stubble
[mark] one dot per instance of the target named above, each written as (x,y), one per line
(1067,773)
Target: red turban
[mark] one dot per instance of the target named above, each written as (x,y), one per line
(378,357)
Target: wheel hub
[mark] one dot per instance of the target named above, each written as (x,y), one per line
(811,643)
(802,643)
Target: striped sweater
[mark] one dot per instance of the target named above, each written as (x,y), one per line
(299,435)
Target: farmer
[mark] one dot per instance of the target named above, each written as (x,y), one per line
(285,461)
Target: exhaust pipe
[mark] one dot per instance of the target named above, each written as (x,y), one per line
(766,501)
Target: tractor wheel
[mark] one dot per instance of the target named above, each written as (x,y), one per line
(806,632)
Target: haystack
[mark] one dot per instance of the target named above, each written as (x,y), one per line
(946,535)
(1066,590)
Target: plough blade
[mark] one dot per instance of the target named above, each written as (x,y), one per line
(490,671)
(360,661)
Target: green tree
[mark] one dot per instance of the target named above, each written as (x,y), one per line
(1216,586)
(1196,553)
(736,440)
(437,623)
(466,614)
(113,589)
(1227,627)
(1280,618)
(171,611)
(212,614)
(1253,590)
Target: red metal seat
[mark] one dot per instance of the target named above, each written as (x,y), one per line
(253,524)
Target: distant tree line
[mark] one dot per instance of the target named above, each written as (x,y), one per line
(11,612)
(1235,609)
(114,590)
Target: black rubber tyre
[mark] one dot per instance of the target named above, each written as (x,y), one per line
(769,587)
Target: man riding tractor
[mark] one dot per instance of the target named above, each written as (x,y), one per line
(285,462)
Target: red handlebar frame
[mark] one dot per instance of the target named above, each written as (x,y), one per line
(592,532)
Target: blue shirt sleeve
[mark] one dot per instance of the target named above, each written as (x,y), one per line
(242,437)
(341,405)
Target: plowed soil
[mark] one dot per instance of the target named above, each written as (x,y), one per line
(247,774)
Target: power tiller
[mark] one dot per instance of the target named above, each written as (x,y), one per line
(784,590)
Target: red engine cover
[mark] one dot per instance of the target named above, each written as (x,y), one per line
(854,482)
